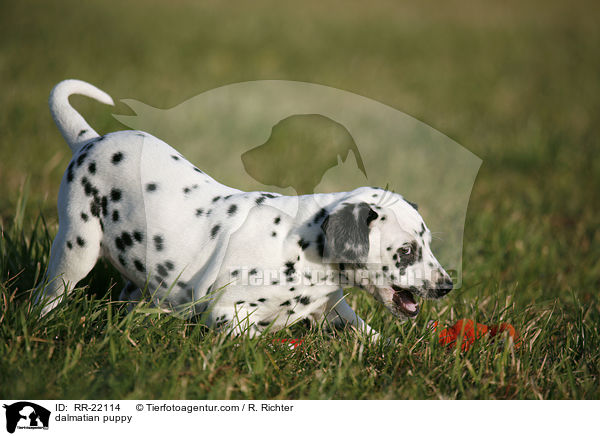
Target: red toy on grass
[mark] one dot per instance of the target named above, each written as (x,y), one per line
(292,343)
(472,331)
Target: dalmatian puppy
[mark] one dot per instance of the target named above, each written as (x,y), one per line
(243,261)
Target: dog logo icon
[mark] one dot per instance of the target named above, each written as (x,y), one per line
(26,415)
(314,143)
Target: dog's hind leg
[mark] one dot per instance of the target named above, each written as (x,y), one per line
(74,253)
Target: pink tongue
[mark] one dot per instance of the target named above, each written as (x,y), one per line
(407,302)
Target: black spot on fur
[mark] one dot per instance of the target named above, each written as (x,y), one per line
(158,242)
(69,245)
(122,260)
(92,167)
(81,132)
(305,300)
(277,220)
(104,205)
(116,158)
(186,190)
(80,241)
(321,244)
(87,186)
(262,300)
(253,271)
(199,212)
(235,273)
(289,268)
(119,243)
(274,234)
(84,216)
(139,265)
(95,208)
(232,210)
(162,270)
(138,236)
(292,289)
(290,312)
(217,198)
(198,171)
(70,172)
(303,244)
(214,231)
(126,237)
(320,216)
(81,158)
(115,216)
(260,200)
(286,303)
(263,323)
(253,304)
(175,157)
(115,195)
(169,265)
(151,187)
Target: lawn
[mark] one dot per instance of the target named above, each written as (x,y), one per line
(516,84)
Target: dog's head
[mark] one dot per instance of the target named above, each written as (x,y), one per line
(382,244)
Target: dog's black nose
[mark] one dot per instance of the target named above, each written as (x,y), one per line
(443,286)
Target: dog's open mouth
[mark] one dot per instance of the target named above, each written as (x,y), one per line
(405,302)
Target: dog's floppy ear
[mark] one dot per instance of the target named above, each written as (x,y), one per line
(347,233)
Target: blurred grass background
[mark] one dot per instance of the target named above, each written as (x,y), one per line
(514,82)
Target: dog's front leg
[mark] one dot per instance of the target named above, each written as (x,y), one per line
(341,314)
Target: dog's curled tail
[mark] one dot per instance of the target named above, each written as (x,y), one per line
(71,124)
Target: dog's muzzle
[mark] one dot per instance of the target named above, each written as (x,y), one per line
(404,299)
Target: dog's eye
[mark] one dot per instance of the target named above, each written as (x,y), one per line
(406,250)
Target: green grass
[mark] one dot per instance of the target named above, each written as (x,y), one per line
(515,83)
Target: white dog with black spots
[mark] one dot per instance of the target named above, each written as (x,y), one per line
(243,261)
